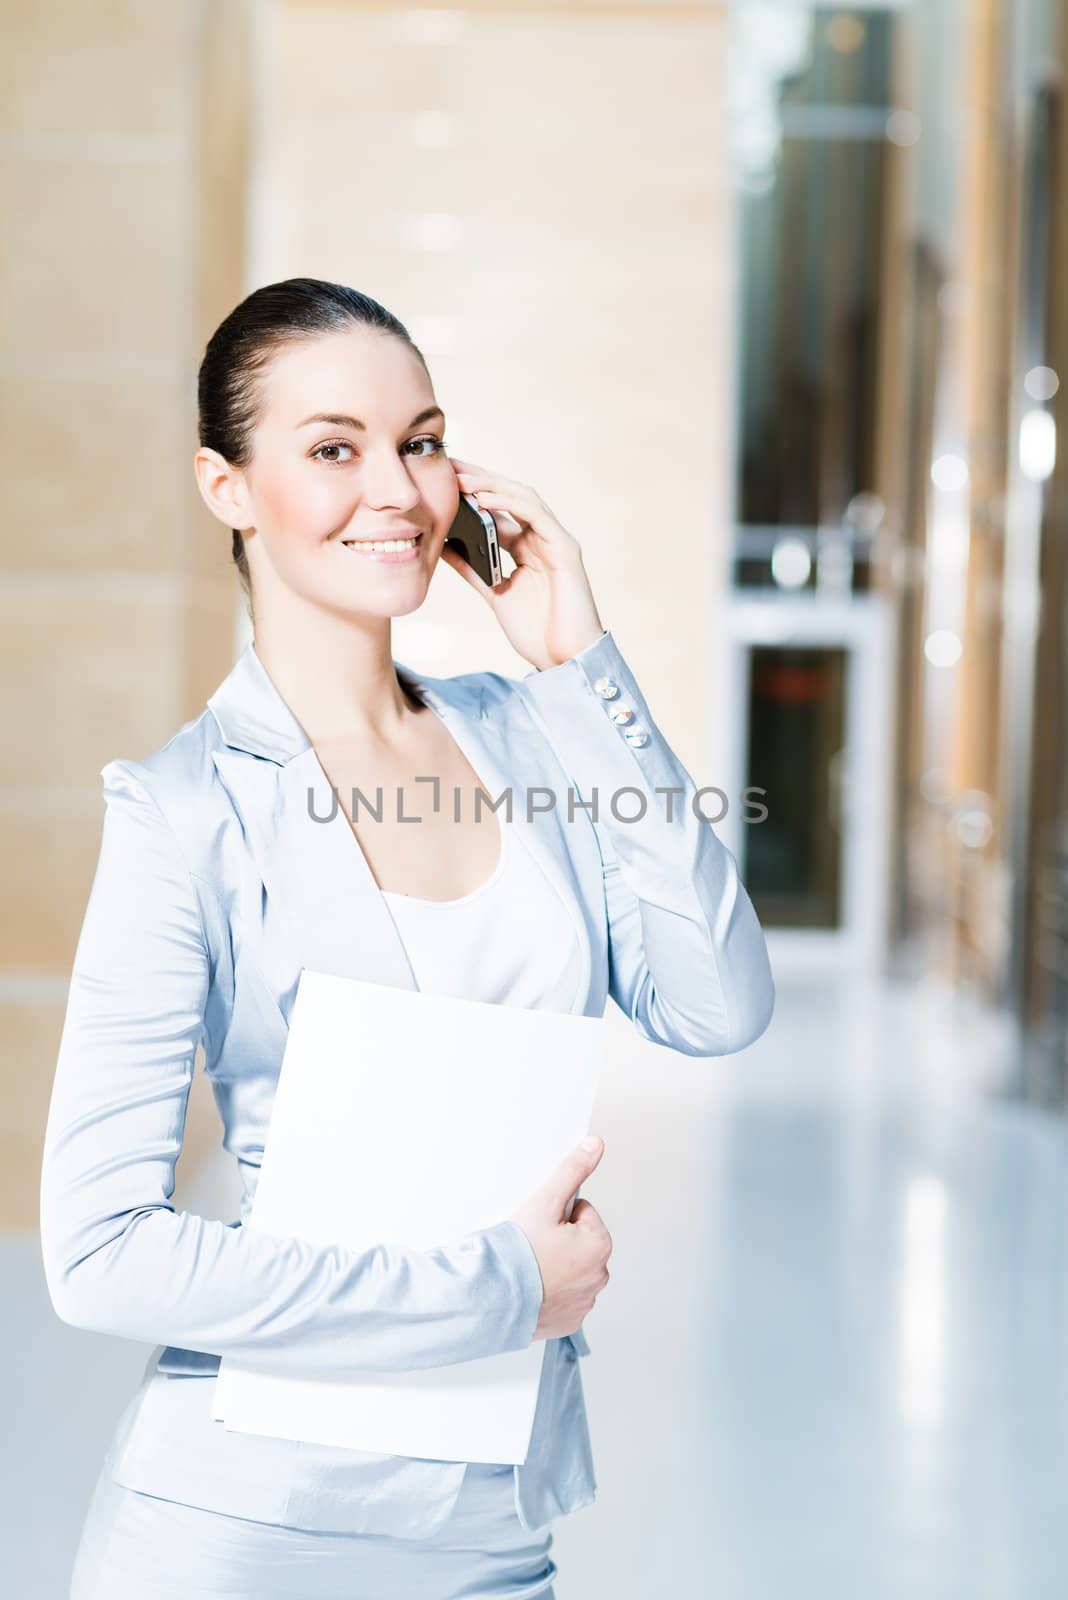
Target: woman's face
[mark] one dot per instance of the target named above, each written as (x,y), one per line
(348,446)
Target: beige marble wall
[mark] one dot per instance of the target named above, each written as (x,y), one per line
(539,192)
(120,146)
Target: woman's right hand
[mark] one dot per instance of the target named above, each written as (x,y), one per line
(572,1255)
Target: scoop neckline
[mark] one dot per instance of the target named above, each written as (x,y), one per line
(395,896)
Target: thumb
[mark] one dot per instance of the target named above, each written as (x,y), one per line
(571,1172)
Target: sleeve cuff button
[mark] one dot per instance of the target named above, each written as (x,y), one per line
(607,688)
(621,714)
(636,736)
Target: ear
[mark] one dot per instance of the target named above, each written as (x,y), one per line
(222,488)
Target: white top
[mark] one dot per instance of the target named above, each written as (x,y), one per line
(511,941)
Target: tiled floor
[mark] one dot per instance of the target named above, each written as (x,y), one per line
(833,1357)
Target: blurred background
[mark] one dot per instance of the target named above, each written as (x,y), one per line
(770,303)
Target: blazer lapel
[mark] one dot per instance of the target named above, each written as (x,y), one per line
(324,901)
(323,909)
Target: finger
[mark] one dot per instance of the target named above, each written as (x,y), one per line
(590,1218)
(467,489)
(569,1175)
(473,478)
(492,480)
(535,522)
(522,548)
(518,544)
(504,587)
(501,520)
(523,516)
(518,499)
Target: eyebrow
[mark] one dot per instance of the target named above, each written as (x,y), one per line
(338,421)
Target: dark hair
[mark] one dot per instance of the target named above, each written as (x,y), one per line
(242,346)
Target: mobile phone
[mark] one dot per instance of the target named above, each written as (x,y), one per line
(474,535)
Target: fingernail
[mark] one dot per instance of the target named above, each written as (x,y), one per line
(590,1143)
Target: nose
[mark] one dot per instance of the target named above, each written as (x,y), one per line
(387,483)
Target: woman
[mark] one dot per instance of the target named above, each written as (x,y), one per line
(322,449)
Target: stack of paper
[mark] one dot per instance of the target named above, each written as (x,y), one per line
(412,1119)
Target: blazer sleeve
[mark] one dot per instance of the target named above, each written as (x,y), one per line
(120,1259)
(687,957)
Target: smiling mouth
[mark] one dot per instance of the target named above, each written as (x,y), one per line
(383,546)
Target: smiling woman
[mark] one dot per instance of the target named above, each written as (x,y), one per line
(291,480)
(322,449)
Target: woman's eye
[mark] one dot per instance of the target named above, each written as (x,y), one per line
(434,443)
(332,460)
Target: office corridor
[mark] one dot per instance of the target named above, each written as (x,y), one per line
(872,1389)
(832,1358)
(769,302)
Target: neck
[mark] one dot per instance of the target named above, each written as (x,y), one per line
(336,674)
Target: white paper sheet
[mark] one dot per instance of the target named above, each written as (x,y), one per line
(414,1119)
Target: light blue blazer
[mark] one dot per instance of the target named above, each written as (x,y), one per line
(214,888)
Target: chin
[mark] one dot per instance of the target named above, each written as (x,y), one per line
(406,610)
(401,603)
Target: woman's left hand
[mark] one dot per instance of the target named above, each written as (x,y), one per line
(546,606)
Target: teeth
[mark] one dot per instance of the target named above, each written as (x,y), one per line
(379,544)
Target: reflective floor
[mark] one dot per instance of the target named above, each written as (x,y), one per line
(832,1358)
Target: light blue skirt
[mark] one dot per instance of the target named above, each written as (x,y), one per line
(136,1546)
